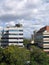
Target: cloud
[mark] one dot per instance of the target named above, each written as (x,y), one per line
(11,23)
(30,13)
(1,28)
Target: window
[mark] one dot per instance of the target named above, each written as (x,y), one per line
(20,42)
(13,30)
(46,42)
(45,36)
(20,30)
(20,34)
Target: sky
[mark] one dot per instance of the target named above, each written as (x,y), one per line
(32,14)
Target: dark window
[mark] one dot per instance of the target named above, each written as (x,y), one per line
(20,38)
(13,42)
(20,34)
(45,36)
(20,42)
(20,30)
(46,42)
(10,34)
(9,42)
(10,38)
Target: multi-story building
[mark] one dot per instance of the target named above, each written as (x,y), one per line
(12,35)
(42,38)
(0,36)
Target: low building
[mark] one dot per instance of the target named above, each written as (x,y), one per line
(41,38)
(12,35)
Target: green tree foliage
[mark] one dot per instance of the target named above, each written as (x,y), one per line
(13,55)
(26,41)
(3,63)
(1,54)
(39,57)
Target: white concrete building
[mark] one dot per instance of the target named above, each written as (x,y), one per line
(42,38)
(12,35)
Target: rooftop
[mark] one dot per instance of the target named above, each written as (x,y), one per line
(43,29)
(16,25)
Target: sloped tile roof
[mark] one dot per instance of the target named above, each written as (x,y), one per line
(43,29)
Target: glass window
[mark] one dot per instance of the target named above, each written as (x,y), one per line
(46,42)
(45,36)
(13,30)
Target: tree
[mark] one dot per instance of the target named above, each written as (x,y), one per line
(26,41)
(39,57)
(3,63)
(1,54)
(13,55)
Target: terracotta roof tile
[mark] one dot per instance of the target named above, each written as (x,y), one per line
(43,29)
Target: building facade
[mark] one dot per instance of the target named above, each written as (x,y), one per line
(12,35)
(41,38)
(0,36)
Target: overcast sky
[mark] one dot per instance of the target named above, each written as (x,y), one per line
(33,14)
